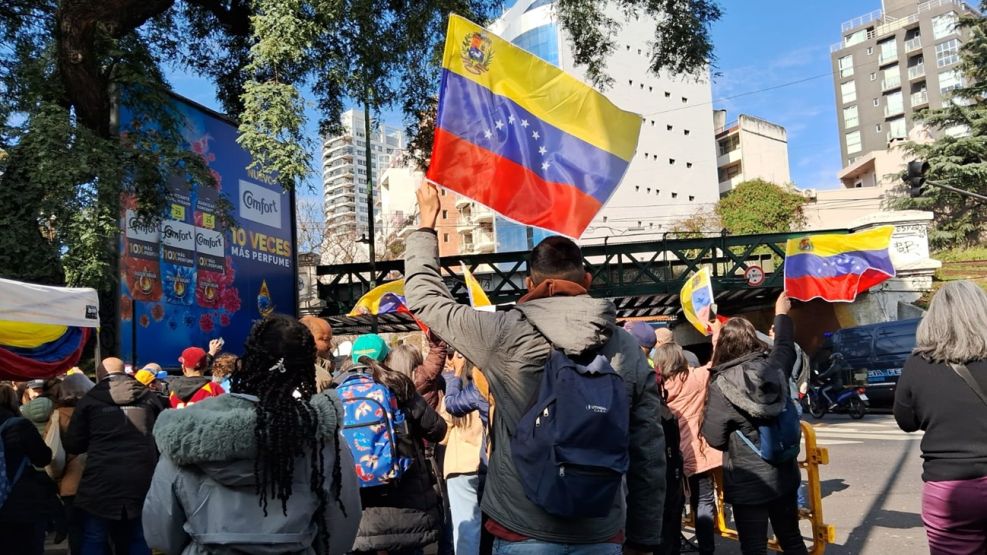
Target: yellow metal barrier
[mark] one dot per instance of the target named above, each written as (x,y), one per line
(822,533)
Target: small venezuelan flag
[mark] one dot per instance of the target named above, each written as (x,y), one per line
(836,268)
(383,299)
(697,300)
(524,138)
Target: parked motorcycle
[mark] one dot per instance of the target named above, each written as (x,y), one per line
(852,401)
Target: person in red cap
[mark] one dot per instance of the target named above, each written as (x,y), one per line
(193,386)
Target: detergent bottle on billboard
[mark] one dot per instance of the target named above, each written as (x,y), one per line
(141,260)
(210,266)
(178,261)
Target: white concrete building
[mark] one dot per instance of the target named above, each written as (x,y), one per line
(750,148)
(673,173)
(344,176)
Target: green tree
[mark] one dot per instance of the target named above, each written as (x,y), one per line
(759,206)
(958,157)
(65,65)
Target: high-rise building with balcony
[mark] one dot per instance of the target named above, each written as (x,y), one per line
(890,63)
(345,179)
(673,173)
(750,148)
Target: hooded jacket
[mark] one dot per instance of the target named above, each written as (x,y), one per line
(33,495)
(687,400)
(113,425)
(512,348)
(745,393)
(185,391)
(203,498)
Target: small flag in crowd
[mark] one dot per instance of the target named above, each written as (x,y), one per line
(836,268)
(478,297)
(697,300)
(383,299)
(524,138)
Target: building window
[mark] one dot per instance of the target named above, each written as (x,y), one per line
(849,92)
(445,237)
(668,127)
(873,76)
(870,50)
(877,102)
(668,94)
(894,103)
(949,80)
(877,128)
(889,51)
(445,214)
(671,161)
(442,192)
(684,100)
(897,129)
(850,117)
(853,142)
(944,25)
(675,195)
(692,198)
(855,38)
(685,132)
(542,42)
(846,65)
(947,53)
(688,164)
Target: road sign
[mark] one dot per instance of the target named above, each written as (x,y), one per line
(754,276)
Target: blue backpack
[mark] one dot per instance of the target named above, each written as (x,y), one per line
(779,438)
(7,484)
(373,426)
(570,448)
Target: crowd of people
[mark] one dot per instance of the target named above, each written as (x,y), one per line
(290,449)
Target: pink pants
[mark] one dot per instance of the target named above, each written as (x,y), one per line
(955,516)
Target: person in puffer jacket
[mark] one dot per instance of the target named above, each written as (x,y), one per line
(750,387)
(259,470)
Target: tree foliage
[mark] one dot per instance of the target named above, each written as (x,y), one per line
(67,65)
(759,206)
(959,156)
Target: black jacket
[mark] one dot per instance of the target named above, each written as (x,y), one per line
(742,394)
(933,398)
(33,496)
(407,513)
(113,424)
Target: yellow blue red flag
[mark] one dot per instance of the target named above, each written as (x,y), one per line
(523,137)
(383,299)
(836,268)
(697,300)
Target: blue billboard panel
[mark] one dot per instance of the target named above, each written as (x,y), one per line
(188,280)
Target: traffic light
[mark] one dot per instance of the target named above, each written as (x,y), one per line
(915,177)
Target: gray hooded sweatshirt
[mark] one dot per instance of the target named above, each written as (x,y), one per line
(203,497)
(511,349)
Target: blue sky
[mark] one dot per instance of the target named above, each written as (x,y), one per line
(765,43)
(760,44)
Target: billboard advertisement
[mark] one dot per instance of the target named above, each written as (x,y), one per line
(188,280)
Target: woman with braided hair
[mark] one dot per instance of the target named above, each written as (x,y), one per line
(261,470)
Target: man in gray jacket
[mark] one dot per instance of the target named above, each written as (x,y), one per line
(511,348)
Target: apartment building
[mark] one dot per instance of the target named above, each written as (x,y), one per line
(749,148)
(345,177)
(891,63)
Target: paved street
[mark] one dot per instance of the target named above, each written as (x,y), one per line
(872,488)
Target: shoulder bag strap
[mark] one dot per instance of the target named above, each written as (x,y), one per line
(963,372)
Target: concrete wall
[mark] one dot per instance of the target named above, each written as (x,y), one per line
(764,150)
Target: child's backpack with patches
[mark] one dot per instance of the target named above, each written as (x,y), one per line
(7,484)
(373,426)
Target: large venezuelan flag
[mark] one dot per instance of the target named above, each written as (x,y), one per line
(836,268)
(521,136)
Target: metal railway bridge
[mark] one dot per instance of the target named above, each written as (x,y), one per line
(643,279)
